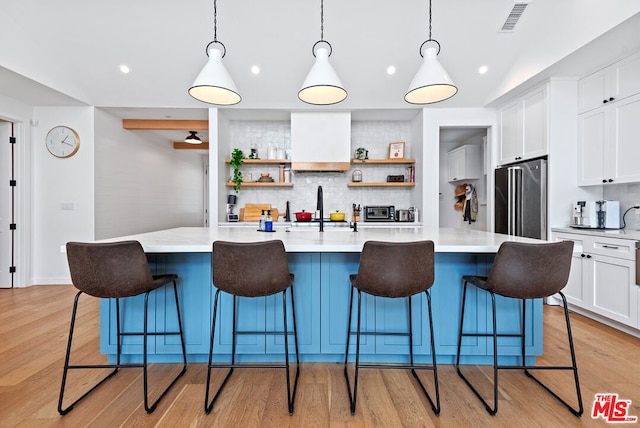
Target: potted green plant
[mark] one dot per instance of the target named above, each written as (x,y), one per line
(362,154)
(236,161)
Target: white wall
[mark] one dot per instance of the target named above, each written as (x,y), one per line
(57,181)
(141,186)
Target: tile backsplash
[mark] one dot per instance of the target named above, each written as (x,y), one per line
(375,136)
(628,195)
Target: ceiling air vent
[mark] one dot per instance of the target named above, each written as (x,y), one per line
(513,17)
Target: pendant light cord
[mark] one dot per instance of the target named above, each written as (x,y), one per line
(215,32)
(429,39)
(321,20)
(322,40)
(215,21)
(429,19)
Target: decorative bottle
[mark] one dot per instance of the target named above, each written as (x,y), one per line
(268,224)
(263,220)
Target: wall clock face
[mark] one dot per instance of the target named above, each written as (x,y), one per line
(62,141)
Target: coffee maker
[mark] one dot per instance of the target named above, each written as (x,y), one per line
(596,215)
(231,203)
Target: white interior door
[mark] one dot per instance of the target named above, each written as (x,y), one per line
(5,204)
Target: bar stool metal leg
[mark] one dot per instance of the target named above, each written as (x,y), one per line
(291,392)
(435,405)
(61,410)
(208,406)
(573,367)
(119,334)
(523,366)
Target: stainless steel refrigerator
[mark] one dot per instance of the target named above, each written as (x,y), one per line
(521,199)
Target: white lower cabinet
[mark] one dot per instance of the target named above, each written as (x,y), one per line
(602,278)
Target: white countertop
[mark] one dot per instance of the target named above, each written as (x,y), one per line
(200,239)
(612,233)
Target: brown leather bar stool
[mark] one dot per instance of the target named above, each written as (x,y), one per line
(116,271)
(523,271)
(393,270)
(229,262)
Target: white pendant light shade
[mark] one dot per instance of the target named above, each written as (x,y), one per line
(431,83)
(214,84)
(322,85)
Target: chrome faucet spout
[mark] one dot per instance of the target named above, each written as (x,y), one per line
(320,207)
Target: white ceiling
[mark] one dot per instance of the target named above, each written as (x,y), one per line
(73,49)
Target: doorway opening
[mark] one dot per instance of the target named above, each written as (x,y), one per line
(464,159)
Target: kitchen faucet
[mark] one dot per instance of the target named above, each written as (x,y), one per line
(320,207)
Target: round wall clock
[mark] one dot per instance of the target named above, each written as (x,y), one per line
(62,141)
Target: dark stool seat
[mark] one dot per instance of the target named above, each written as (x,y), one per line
(230,263)
(393,270)
(115,271)
(523,271)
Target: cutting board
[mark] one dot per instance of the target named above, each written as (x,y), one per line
(252,212)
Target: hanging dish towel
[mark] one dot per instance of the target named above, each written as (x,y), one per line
(470,204)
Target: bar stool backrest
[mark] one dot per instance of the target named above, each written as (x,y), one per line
(530,271)
(396,269)
(250,269)
(109,270)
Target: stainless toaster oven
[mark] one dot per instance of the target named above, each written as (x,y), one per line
(379,213)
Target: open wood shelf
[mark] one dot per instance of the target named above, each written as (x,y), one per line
(258,184)
(382,161)
(379,184)
(264,161)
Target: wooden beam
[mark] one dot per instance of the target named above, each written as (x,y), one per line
(181,145)
(165,125)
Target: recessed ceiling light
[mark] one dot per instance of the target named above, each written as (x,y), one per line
(125,69)
(391,70)
(483,69)
(255,69)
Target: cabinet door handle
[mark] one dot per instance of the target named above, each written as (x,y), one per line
(605,101)
(613,247)
(583,255)
(588,256)
(610,180)
(611,98)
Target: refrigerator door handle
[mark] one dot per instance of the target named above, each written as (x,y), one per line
(514,211)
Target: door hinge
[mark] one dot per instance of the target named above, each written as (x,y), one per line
(12,140)
(12,226)
(12,183)
(12,269)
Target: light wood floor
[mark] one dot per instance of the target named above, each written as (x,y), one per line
(33,333)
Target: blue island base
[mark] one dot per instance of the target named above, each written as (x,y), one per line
(322,290)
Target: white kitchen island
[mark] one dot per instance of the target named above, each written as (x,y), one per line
(322,263)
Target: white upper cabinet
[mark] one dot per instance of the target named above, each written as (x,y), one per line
(464,163)
(609,85)
(609,124)
(524,127)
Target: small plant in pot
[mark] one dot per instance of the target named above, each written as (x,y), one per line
(362,153)
(236,161)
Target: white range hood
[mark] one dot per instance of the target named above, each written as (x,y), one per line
(321,141)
